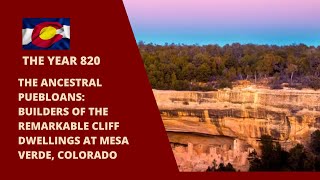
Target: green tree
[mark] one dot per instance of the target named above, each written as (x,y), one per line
(221,167)
(315,142)
(174,81)
(255,162)
(273,157)
(194,63)
(227,168)
(203,74)
(265,65)
(189,71)
(291,67)
(300,160)
(231,74)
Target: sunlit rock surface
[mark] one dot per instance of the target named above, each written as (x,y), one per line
(226,125)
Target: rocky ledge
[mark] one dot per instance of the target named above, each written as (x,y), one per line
(203,126)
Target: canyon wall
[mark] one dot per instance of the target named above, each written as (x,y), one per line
(223,116)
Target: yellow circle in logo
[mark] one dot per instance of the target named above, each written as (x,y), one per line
(47,32)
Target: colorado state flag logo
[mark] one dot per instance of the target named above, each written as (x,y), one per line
(46,33)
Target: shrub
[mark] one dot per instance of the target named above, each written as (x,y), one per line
(276,85)
(223,84)
(314,83)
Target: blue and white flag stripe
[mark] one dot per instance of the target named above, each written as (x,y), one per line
(34,38)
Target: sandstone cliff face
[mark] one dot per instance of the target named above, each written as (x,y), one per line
(289,116)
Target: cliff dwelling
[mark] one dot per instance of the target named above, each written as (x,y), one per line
(226,125)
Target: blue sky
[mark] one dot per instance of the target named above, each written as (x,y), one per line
(280,22)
